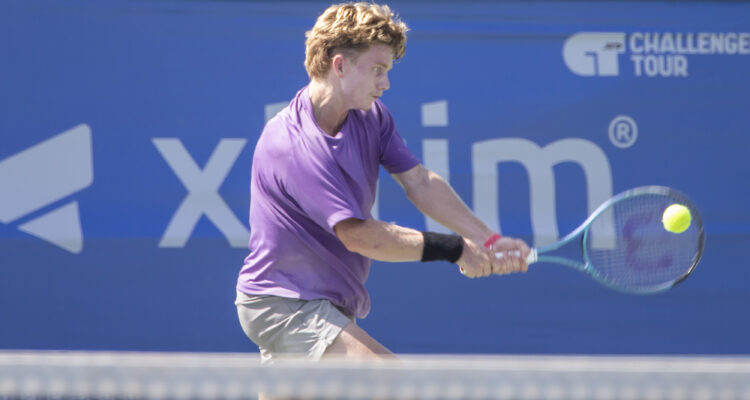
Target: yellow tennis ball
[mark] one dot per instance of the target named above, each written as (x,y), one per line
(676,218)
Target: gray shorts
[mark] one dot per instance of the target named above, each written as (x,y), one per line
(289,327)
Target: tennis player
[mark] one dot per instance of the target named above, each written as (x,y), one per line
(313,183)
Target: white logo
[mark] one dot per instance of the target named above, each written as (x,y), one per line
(623,131)
(43,174)
(653,54)
(594,53)
(203,197)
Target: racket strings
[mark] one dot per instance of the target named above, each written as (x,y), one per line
(627,245)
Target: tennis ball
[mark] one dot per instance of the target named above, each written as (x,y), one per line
(676,218)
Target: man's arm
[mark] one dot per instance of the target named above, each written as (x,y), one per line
(434,197)
(382,241)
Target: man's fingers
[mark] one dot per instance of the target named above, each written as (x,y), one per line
(507,263)
(507,256)
(511,255)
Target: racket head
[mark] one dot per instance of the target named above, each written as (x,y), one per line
(626,247)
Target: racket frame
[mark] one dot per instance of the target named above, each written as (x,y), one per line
(537,254)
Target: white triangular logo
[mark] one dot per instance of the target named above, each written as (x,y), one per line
(43,174)
(61,227)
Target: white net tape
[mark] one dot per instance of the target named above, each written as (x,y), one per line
(111,375)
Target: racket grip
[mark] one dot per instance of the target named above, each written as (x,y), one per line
(530,259)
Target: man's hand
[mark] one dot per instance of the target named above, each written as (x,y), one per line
(513,258)
(477,261)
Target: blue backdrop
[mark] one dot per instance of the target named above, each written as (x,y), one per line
(126,138)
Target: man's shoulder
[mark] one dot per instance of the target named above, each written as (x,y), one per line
(290,117)
(277,137)
(288,136)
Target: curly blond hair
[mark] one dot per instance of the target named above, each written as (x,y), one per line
(350,29)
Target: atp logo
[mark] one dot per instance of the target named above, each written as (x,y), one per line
(652,54)
(594,53)
(43,174)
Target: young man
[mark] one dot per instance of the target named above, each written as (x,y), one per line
(313,183)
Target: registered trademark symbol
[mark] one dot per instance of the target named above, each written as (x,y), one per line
(623,131)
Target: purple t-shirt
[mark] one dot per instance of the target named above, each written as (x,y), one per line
(303,183)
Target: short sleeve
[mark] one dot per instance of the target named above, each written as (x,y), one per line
(395,157)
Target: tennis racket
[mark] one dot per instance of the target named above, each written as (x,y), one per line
(625,246)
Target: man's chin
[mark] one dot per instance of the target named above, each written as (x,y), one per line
(368,107)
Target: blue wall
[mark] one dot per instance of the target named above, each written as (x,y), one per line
(144,115)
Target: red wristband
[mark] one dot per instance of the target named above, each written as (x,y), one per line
(494,238)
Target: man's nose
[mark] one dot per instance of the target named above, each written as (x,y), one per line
(384,84)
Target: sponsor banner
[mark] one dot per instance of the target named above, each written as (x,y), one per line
(128,130)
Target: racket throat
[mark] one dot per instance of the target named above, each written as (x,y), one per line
(532,257)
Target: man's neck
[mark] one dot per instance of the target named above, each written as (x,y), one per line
(328,109)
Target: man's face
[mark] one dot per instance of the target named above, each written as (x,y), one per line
(366,78)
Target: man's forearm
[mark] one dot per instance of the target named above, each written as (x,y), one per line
(380,240)
(440,202)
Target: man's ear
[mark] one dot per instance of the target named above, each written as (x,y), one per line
(337,64)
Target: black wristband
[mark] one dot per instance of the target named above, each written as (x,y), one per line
(438,246)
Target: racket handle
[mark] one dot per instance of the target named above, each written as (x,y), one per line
(530,259)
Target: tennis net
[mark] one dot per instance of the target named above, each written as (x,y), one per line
(124,375)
